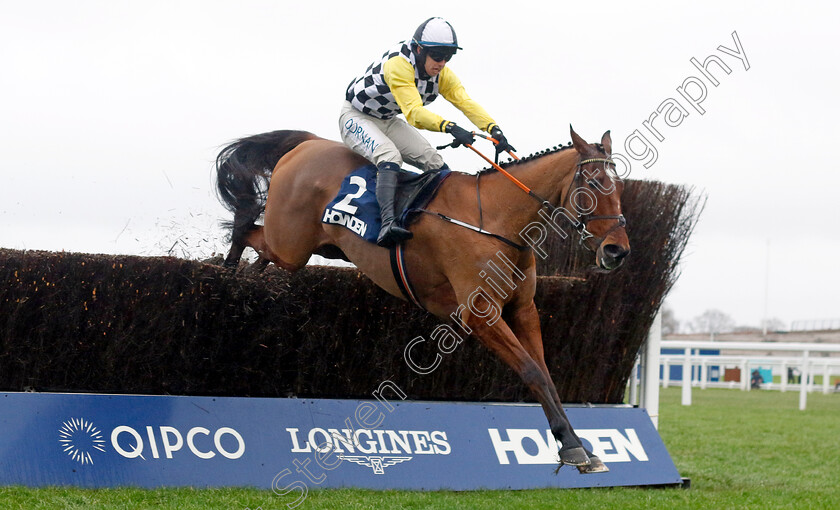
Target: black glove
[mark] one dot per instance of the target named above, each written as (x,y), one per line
(461,135)
(503,144)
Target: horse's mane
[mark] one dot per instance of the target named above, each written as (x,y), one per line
(530,157)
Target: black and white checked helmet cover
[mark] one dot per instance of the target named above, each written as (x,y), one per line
(371,95)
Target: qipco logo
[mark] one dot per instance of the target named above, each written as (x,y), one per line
(200,441)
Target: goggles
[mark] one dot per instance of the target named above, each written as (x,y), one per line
(440,55)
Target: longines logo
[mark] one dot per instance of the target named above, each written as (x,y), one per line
(79,438)
(379,448)
(377,463)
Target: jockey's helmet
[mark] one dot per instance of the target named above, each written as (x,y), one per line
(432,34)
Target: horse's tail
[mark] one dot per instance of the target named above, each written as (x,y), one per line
(243,171)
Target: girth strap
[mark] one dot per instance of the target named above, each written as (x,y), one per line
(401,275)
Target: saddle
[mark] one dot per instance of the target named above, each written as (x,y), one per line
(415,191)
(355,206)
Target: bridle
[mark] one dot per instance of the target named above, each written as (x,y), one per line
(582,220)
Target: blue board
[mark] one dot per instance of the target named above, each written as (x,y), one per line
(294,445)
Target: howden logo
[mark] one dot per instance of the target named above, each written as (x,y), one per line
(610,445)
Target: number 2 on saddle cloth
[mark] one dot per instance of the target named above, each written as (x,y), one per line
(356,209)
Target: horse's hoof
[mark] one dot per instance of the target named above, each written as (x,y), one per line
(574,457)
(596,465)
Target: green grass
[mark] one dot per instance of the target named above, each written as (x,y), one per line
(740,449)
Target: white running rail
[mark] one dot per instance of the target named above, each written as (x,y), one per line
(799,355)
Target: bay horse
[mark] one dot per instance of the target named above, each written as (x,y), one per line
(291,176)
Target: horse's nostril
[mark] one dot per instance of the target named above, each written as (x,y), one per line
(615,251)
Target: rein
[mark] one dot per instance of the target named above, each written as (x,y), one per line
(578,224)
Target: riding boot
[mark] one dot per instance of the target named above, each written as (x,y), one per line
(386,187)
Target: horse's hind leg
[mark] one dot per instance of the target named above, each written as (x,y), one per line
(289,241)
(262,263)
(254,238)
(233,256)
(243,225)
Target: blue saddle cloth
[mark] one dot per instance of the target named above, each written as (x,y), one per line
(355,206)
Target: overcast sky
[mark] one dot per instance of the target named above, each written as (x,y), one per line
(111,114)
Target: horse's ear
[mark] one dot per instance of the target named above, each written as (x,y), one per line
(579,143)
(606,141)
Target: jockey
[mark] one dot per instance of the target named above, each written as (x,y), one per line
(404,80)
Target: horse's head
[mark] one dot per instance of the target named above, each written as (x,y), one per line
(595,196)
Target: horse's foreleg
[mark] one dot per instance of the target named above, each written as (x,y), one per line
(525,324)
(500,339)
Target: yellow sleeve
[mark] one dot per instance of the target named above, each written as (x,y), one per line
(451,89)
(399,76)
